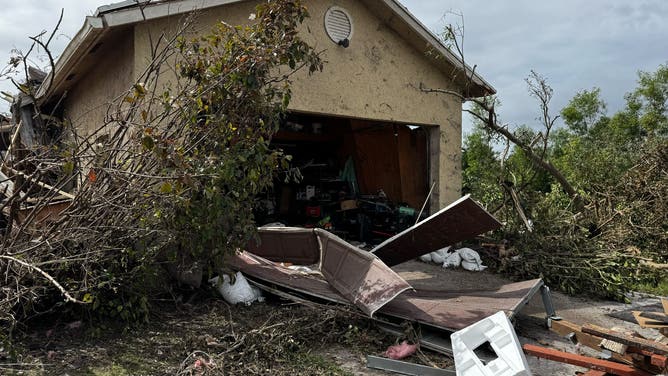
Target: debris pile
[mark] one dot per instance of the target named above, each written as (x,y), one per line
(621,352)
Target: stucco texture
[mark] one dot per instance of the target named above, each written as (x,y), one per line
(375,78)
(87,102)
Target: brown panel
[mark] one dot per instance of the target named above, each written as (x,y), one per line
(358,275)
(287,244)
(376,159)
(450,310)
(461,220)
(454,310)
(413,166)
(310,284)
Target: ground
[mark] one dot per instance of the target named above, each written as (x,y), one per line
(208,336)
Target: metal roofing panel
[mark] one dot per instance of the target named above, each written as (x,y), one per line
(459,221)
(265,270)
(358,275)
(449,310)
(287,244)
(454,310)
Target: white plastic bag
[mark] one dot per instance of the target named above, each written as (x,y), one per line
(426,257)
(239,292)
(471,260)
(453,260)
(439,256)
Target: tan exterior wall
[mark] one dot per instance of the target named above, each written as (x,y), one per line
(376,78)
(112,75)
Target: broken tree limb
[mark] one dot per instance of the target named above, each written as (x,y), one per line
(12,142)
(68,298)
(43,185)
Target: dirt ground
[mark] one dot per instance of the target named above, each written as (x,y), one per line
(208,337)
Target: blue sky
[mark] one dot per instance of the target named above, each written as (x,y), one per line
(576,44)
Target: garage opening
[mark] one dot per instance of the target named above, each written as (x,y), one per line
(363,180)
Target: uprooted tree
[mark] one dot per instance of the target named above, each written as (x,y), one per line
(584,206)
(171,177)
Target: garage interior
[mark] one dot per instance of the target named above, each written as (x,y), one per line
(362,180)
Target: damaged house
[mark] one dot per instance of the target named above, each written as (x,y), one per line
(366,106)
(374,149)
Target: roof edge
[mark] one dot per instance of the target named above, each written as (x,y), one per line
(485,88)
(90,32)
(133,11)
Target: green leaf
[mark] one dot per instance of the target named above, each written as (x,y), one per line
(166,187)
(148,142)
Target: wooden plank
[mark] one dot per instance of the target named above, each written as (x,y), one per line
(641,343)
(651,319)
(583,361)
(567,328)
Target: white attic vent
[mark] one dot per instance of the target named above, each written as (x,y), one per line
(339,25)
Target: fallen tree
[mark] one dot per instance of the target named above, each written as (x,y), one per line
(170,177)
(583,205)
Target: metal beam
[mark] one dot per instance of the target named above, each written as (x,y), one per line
(405,368)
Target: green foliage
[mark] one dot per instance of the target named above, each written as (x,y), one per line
(617,164)
(480,168)
(583,111)
(170,176)
(233,108)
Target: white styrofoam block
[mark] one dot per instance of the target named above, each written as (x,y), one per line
(499,332)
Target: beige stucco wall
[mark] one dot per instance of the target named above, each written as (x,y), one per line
(376,78)
(87,102)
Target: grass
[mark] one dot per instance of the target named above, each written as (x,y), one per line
(660,289)
(206,338)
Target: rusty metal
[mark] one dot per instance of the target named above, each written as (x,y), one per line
(583,361)
(294,245)
(358,275)
(461,220)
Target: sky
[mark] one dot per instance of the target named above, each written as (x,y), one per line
(575,44)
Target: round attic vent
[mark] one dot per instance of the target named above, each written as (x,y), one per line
(339,25)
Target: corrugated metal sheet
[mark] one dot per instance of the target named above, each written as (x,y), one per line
(298,246)
(461,220)
(358,275)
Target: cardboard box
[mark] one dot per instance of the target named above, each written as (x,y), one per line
(348,204)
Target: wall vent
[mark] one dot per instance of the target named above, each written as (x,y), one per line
(339,25)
